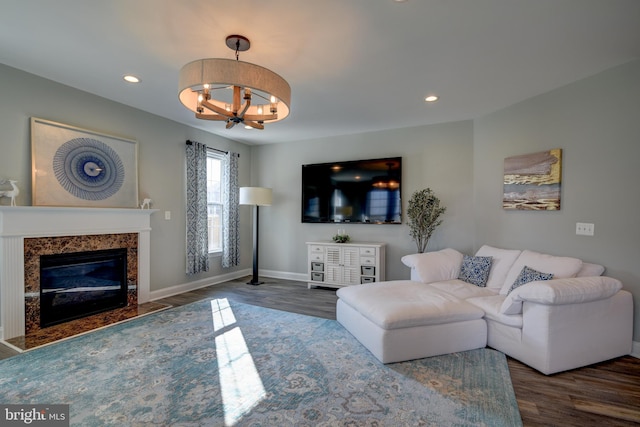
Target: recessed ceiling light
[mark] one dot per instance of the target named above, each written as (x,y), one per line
(131,79)
(431,98)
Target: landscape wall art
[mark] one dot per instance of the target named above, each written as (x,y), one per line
(532,181)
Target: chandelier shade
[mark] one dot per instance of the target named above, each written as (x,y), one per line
(234,91)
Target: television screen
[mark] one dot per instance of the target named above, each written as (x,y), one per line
(360,191)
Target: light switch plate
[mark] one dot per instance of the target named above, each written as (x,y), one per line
(584,228)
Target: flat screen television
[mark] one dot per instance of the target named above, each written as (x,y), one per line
(359,191)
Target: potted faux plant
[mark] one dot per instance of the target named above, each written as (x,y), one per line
(424,213)
(341,237)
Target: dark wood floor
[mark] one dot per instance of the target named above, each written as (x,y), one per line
(606,394)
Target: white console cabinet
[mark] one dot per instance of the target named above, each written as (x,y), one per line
(342,264)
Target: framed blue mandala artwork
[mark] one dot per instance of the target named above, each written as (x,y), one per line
(79,167)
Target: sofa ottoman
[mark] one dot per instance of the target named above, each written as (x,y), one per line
(403,320)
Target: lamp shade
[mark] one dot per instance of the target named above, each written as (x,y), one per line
(255,196)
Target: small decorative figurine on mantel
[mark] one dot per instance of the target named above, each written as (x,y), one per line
(11,194)
(146,204)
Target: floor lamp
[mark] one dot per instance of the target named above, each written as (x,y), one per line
(256,196)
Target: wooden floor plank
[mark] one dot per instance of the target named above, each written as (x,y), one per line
(613,411)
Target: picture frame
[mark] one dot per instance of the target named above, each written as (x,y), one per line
(533,181)
(82,168)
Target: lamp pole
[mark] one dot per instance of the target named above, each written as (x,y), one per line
(255,281)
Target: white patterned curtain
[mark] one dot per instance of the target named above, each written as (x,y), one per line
(197,227)
(231,201)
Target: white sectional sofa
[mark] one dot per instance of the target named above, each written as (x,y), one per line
(561,313)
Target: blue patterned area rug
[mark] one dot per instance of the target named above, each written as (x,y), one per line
(215,363)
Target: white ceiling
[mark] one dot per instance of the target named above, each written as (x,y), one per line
(353,65)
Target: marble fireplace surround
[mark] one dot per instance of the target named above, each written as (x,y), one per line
(28,222)
(35,247)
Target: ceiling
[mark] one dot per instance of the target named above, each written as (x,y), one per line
(353,65)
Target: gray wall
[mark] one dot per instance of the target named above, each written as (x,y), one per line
(596,122)
(160,156)
(436,156)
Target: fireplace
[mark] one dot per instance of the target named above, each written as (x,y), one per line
(28,232)
(79,284)
(50,248)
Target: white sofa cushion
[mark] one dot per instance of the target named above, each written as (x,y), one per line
(462,289)
(573,290)
(503,259)
(434,266)
(491,306)
(560,267)
(405,303)
(589,269)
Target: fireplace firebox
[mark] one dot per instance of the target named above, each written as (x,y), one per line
(75,285)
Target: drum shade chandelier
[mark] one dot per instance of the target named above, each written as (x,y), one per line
(234,91)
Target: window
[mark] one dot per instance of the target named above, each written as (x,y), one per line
(383,205)
(214,200)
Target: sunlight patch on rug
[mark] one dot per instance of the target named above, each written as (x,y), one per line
(240,384)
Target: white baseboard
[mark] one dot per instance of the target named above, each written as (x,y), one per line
(203,283)
(198,284)
(635,349)
(299,277)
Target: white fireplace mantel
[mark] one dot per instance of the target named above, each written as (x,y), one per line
(20,222)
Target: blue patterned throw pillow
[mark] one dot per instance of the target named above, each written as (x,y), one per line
(529,275)
(475,269)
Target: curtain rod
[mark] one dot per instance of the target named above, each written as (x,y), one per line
(211,148)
